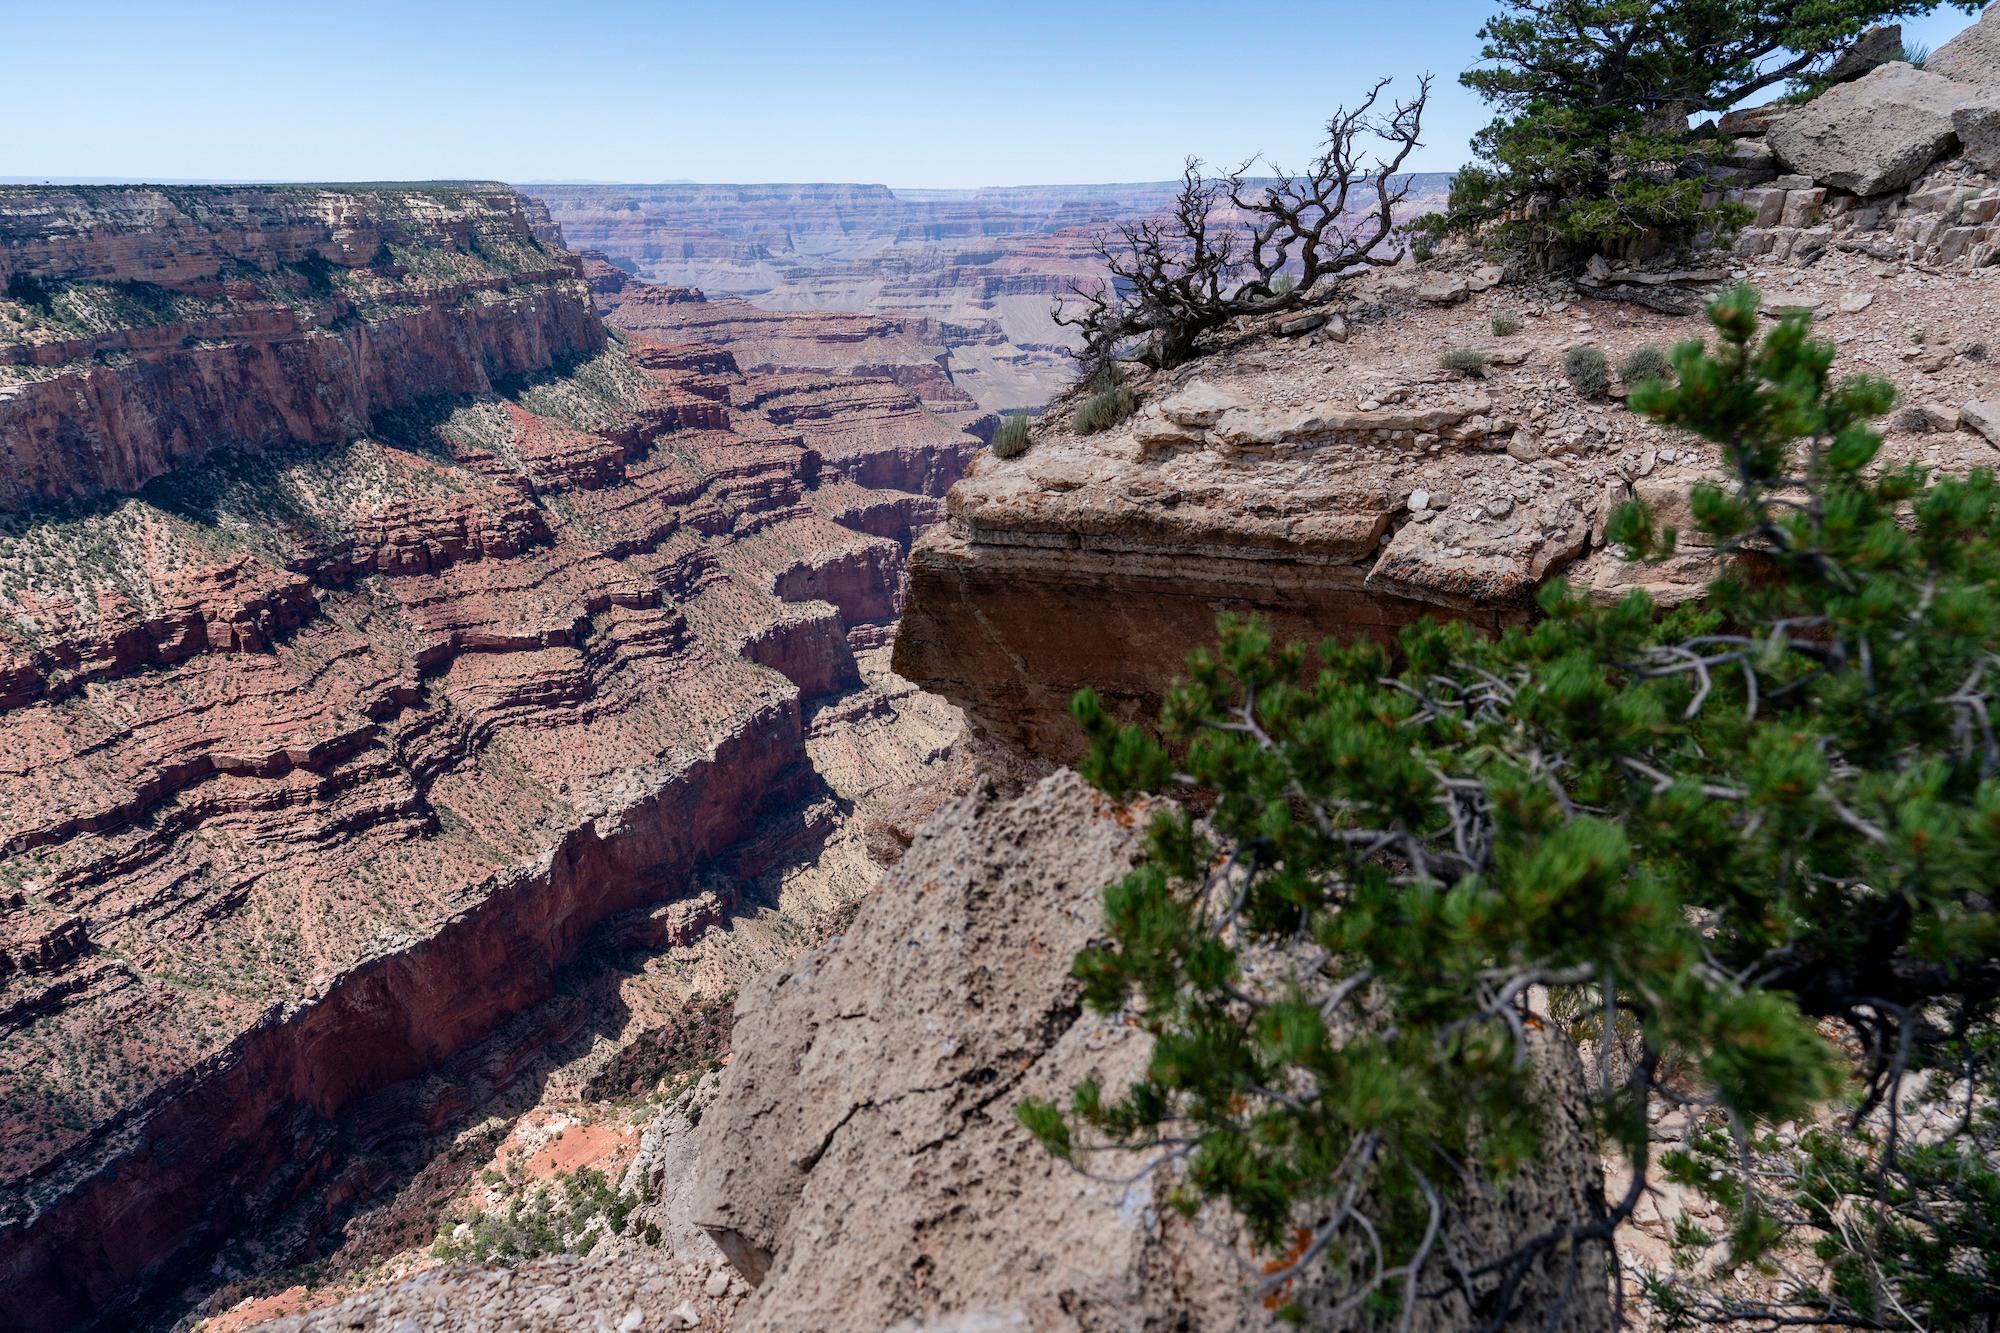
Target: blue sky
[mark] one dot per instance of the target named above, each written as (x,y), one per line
(939,94)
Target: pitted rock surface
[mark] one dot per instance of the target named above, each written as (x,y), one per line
(862,1164)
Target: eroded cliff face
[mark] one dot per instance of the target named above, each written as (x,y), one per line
(149,326)
(1343,482)
(375,625)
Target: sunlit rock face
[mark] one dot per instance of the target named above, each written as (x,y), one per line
(375,623)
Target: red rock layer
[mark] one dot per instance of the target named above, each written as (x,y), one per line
(161,324)
(909,352)
(323,751)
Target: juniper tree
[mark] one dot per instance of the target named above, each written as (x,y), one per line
(1590,147)
(1229,246)
(1745,847)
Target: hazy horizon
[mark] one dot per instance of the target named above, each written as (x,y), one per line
(894,92)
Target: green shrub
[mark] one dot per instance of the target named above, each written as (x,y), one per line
(1506,324)
(1645,363)
(1699,829)
(1010,439)
(564,1216)
(1467,361)
(1589,147)
(1914,53)
(1110,402)
(1588,372)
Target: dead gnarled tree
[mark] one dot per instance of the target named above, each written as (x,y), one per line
(1227,245)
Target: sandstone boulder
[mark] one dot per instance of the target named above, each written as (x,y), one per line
(1200,404)
(1977,125)
(1974,55)
(1983,417)
(1484,552)
(1876,47)
(1875,134)
(1444,290)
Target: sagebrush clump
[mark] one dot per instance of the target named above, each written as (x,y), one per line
(1587,371)
(1467,361)
(1645,363)
(1506,325)
(1109,403)
(1010,438)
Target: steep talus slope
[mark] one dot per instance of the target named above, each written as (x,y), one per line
(374,625)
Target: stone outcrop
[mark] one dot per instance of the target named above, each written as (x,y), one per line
(374,628)
(1873,48)
(1876,134)
(1103,560)
(1974,55)
(861,1163)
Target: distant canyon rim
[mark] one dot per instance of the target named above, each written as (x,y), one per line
(975,272)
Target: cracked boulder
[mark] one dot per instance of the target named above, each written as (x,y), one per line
(1484,552)
(1974,55)
(1876,134)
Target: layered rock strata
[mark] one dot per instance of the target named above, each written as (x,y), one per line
(1345,482)
(374,627)
(979,269)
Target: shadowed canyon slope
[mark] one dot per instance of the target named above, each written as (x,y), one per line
(375,624)
(980,268)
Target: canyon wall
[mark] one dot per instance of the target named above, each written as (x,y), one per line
(376,623)
(978,269)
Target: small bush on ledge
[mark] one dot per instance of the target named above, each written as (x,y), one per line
(1109,403)
(1467,361)
(1587,370)
(1011,439)
(1645,363)
(1506,325)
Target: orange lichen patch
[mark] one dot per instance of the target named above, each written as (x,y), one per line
(261,1309)
(1301,1238)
